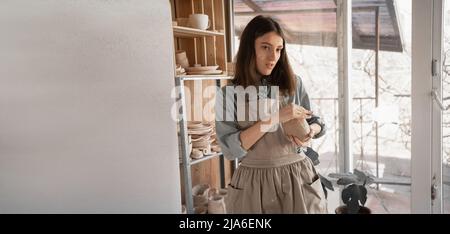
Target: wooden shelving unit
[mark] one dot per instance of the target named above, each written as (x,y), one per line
(208,48)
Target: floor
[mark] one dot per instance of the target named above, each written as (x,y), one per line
(391,199)
(381,201)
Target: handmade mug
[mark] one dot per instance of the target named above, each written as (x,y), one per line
(298,128)
(199,21)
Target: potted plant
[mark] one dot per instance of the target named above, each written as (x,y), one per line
(354,194)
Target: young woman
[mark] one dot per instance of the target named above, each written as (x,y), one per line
(274,176)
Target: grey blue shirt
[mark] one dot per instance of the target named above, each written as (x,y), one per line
(228,129)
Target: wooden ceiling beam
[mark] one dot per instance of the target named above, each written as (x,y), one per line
(290,36)
(329,39)
(301,11)
(394,21)
(355,33)
(252,5)
(289,12)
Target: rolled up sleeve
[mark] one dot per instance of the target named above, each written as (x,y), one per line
(229,140)
(227,132)
(317,120)
(302,98)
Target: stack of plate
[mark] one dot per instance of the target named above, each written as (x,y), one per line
(201,134)
(215,147)
(203,70)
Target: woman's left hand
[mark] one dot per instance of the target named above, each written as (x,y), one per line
(298,142)
(314,129)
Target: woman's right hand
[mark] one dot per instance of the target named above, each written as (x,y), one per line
(293,111)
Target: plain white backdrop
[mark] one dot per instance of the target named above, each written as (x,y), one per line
(85,123)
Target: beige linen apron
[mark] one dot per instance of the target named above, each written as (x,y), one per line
(273,178)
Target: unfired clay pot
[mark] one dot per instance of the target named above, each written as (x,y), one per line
(216,205)
(200,194)
(197,153)
(223,193)
(190,145)
(181,58)
(297,128)
(200,209)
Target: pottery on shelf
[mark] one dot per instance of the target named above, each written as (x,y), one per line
(196,154)
(201,68)
(207,151)
(213,192)
(181,58)
(201,201)
(199,21)
(194,125)
(216,205)
(200,194)
(200,209)
(190,145)
(223,193)
(183,22)
(211,72)
(202,144)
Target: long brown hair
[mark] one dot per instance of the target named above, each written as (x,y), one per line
(246,72)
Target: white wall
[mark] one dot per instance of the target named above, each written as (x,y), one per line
(85,102)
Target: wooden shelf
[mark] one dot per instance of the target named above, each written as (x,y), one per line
(186,32)
(204,158)
(224,76)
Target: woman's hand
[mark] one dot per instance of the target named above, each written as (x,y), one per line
(298,142)
(293,111)
(314,129)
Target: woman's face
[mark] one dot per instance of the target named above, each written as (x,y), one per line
(268,50)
